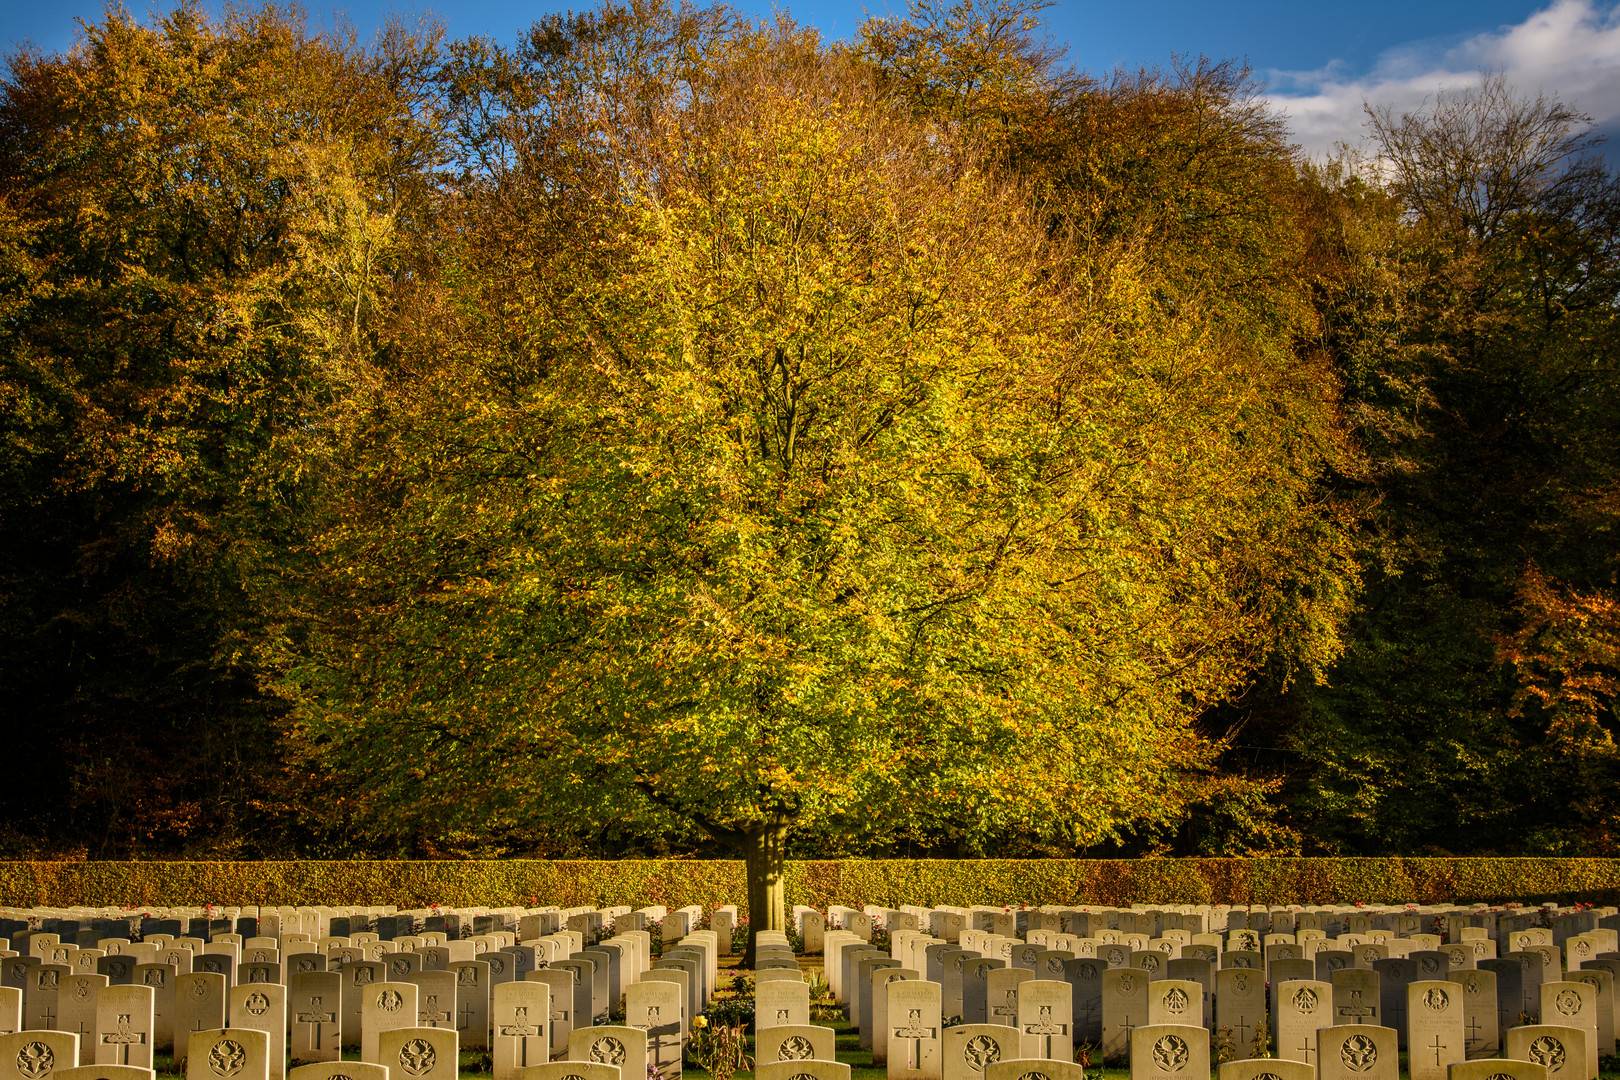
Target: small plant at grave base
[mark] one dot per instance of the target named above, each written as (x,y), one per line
(823,1009)
(1223,1046)
(734,1011)
(1262,1041)
(619,1011)
(880,938)
(1082,1056)
(951,1021)
(654,1072)
(719,1047)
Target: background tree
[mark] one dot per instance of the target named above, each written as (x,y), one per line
(193,219)
(1482,365)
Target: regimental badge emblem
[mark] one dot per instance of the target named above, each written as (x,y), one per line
(257,1004)
(390,1000)
(981,1050)
(227,1058)
(1305,1000)
(608,1051)
(1436,999)
(1547,1051)
(1358,1053)
(1176,1000)
(417,1057)
(1567,1002)
(1170,1053)
(35,1059)
(796,1048)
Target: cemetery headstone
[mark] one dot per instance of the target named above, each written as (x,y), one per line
(913,1030)
(969,1049)
(1561,1050)
(1303,1007)
(798,1042)
(1480,1018)
(227,1054)
(263,1007)
(561,987)
(611,1045)
(124,1026)
(1436,1026)
(1124,1009)
(1169,1052)
(419,1053)
(36,1055)
(1045,1020)
(315,1016)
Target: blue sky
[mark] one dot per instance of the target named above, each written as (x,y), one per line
(1320,59)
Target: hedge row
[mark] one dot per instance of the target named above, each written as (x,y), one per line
(854,882)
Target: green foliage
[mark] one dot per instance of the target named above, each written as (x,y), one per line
(193,216)
(831,490)
(1475,321)
(678,435)
(711,882)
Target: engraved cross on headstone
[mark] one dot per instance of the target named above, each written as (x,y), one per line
(914,1033)
(1008,1006)
(466,1012)
(1437,1047)
(430,1015)
(1046,1027)
(317,1017)
(1474,1029)
(522,1031)
(659,1035)
(123,1038)
(1356,1009)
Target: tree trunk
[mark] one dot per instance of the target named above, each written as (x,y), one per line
(763,848)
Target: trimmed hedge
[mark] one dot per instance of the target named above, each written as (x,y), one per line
(853,882)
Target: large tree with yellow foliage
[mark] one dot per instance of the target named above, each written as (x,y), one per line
(781,471)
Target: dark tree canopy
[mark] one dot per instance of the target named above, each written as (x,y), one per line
(676,433)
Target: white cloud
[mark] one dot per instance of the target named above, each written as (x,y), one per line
(1570,50)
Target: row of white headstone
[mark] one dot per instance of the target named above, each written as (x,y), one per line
(524,1000)
(1027,983)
